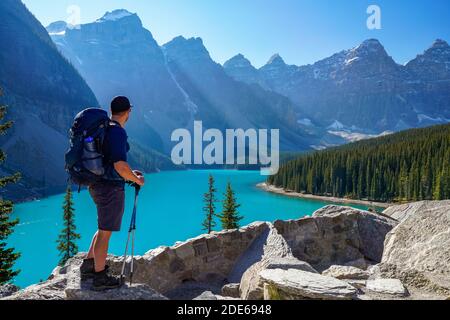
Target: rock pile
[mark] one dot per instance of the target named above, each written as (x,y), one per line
(338,253)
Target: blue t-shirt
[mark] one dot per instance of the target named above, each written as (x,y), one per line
(115,149)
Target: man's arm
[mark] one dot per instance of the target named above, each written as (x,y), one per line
(124,170)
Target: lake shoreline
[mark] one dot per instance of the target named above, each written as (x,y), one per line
(280,191)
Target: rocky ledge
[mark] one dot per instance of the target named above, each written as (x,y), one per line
(338,253)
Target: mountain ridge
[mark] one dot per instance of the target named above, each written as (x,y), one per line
(360,80)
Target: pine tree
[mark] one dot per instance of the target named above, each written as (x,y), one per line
(67,239)
(406,166)
(230,217)
(209,199)
(7,255)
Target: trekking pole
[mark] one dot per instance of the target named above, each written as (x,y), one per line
(131,233)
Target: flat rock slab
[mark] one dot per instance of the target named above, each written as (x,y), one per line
(209,296)
(392,287)
(346,272)
(135,292)
(298,284)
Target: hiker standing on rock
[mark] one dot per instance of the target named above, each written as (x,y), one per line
(109,195)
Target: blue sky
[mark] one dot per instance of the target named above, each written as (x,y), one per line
(301,31)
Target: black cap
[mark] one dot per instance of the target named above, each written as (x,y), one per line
(120,104)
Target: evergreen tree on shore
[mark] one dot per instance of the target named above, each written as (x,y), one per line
(209,199)
(67,239)
(7,255)
(230,217)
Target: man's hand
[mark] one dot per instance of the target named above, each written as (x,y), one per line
(138,173)
(124,170)
(140,176)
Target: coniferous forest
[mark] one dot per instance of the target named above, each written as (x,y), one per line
(407,166)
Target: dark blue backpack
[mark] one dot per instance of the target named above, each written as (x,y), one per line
(85,161)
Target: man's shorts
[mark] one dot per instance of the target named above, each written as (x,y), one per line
(110,202)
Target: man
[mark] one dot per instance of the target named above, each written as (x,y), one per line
(109,196)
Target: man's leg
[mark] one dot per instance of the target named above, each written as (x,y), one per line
(91,248)
(101,249)
(87,268)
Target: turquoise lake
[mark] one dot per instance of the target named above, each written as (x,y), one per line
(169,210)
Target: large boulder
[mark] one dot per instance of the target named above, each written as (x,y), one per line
(207,258)
(296,285)
(417,251)
(337,235)
(270,251)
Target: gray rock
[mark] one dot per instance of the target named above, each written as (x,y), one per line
(135,292)
(358,284)
(7,290)
(206,296)
(345,272)
(392,287)
(337,235)
(231,290)
(210,296)
(49,290)
(296,284)
(275,253)
(417,251)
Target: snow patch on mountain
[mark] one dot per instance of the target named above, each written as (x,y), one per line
(57,28)
(357,136)
(115,15)
(305,122)
(336,125)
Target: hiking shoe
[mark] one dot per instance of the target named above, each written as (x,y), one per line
(104,281)
(87,269)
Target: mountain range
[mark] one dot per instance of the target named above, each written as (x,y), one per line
(174,84)
(362,89)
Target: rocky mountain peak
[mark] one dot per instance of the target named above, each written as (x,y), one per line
(440,44)
(116,15)
(187,49)
(438,52)
(276,60)
(434,63)
(238,61)
(368,48)
(118,26)
(194,42)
